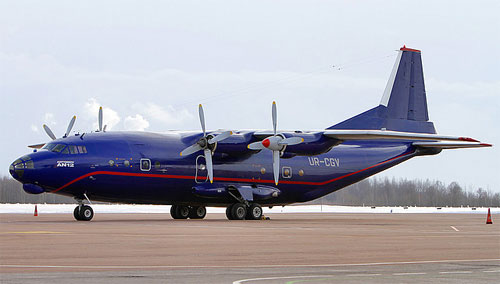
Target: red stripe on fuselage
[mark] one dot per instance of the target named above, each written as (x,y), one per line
(223,178)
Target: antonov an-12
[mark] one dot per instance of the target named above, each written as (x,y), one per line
(239,170)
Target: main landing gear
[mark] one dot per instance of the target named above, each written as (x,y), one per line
(184,212)
(241,211)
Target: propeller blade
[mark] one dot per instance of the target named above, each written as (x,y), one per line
(291,141)
(274,117)
(220,137)
(276,166)
(210,169)
(49,132)
(202,119)
(100,118)
(104,129)
(70,126)
(256,146)
(190,150)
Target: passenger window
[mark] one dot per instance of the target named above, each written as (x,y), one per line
(58,148)
(157,165)
(72,149)
(145,164)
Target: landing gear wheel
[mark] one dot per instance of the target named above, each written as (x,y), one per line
(254,212)
(86,213)
(179,212)
(228,212)
(197,212)
(238,211)
(76,213)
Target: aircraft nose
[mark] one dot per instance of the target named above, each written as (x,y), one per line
(18,167)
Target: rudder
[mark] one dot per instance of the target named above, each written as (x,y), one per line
(404,104)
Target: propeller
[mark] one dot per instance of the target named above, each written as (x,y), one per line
(206,143)
(68,130)
(99,119)
(275,143)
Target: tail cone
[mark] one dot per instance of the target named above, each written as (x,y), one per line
(488,219)
(36,210)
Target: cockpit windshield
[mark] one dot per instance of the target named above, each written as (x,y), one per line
(65,149)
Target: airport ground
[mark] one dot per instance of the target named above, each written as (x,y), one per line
(289,248)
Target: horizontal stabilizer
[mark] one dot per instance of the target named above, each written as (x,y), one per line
(450,145)
(390,135)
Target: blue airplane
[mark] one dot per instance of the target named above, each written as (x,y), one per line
(240,170)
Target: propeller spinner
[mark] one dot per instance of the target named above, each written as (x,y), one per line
(275,143)
(205,143)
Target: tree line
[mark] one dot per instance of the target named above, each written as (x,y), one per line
(369,192)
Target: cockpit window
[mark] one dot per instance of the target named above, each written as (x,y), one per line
(49,146)
(72,149)
(58,148)
(64,149)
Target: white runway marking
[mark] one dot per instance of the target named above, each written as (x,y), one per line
(455,228)
(362,274)
(409,273)
(281,277)
(241,266)
(455,272)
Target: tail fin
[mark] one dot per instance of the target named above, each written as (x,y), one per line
(404,104)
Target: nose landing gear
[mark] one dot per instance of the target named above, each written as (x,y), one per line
(83,213)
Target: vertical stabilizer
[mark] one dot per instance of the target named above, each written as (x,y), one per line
(404,104)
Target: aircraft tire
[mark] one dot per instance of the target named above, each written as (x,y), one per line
(173,211)
(197,212)
(76,213)
(254,212)
(228,212)
(181,212)
(239,211)
(86,213)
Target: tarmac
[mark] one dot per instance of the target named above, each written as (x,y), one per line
(289,248)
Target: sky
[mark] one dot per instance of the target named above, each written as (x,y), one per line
(150,63)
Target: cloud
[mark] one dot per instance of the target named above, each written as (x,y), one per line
(34,128)
(110,116)
(49,119)
(136,122)
(169,116)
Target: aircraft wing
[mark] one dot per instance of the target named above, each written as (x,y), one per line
(37,146)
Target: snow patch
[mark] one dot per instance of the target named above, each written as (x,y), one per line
(165,209)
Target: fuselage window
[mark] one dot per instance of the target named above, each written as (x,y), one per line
(58,148)
(157,165)
(72,149)
(145,164)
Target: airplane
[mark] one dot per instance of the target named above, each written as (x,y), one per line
(240,170)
